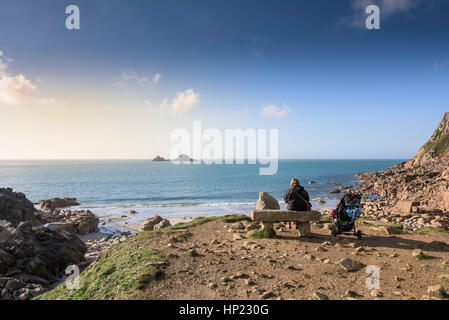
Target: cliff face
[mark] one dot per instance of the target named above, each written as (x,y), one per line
(436,149)
(424,179)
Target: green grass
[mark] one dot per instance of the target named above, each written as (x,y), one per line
(232,218)
(365,218)
(423,256)
(194,222)
(125,272)
(191,253)
(398,226)
(352,294)
(439,146)
(445,279)
(442,293)
(430,229)
(263,234)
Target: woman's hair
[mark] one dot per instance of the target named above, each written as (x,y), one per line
(295,182)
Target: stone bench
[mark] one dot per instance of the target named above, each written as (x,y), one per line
(301,218)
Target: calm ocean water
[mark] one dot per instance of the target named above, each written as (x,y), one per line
(111,188)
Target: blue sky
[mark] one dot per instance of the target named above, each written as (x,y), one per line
(327,78)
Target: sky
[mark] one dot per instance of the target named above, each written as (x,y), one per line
(137,70)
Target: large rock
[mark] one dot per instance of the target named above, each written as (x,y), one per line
(52,204)
(267,202)
(37,251)
(84,221)
(31,255)
(16,208)
(159,158)
(350,265)
(163,224)
(149,224)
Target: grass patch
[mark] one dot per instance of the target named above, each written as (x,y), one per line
(123,273)
(442,293)
(432,229)
(445,279)
(365,218)
(398,226)
(268,233)
(439,145)
(423,256)
(352,294)
(234,218)
(194,222)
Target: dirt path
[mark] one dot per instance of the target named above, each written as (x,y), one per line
(288,268)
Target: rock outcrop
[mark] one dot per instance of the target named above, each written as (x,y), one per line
(31,255)
(159,158)
(155,223)
(417,187)
(51,204)
(16,208)
(267,202)
(77,221)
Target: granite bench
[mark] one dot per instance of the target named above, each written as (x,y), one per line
(301,218)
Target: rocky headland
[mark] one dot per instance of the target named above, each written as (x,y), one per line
(414,193)
(36,246)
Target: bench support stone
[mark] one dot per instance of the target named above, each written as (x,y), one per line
(267,225)
(303,229)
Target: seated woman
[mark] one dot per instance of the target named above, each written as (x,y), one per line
(297,198)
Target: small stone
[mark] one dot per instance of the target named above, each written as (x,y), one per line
(417,253)
(237,236)
(350,265)
(267,295)
(250,282)
(319,296)
(215,241)
(192,253)
(434,289)
(376,294)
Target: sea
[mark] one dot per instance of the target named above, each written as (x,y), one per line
(112,188)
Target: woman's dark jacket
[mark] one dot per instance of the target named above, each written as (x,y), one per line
(296,198)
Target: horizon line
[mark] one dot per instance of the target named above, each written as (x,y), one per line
(209,159)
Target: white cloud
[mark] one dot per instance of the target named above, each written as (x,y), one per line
(183,102)
(133,77)
(16,89)
(387,8)
(156,78)
(274,111)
